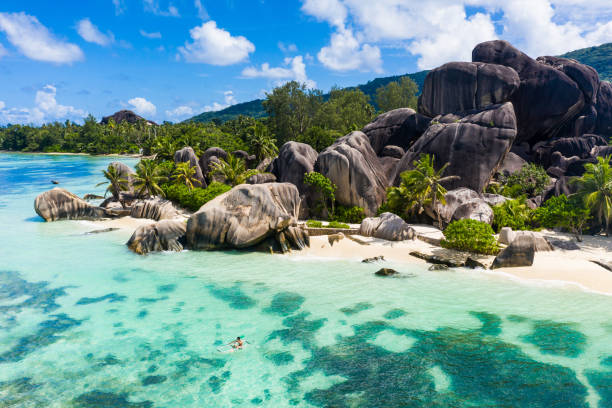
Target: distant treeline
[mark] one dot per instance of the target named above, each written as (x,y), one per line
(294,113)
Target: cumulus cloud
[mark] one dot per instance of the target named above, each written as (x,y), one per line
(215,46)
(179,113)
(438,31)
(345,53)
(287,47)
(35,41)
(142,107)
(228,100)
(153,6)
(46,109)
(90,33)
(293,69)
(202,13)
(153,35)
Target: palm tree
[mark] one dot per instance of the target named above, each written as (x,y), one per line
(262,144)
(147,178)
(184,173)
(233,169)
(116,183)
(421,188)
(165,148)
(595,189)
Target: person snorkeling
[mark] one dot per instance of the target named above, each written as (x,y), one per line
(237,344)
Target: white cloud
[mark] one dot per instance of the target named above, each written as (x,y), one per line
(228,99)
(288,48)
(153,6)
(155,34)
(438,31)
(119,6)
(90,33)
(35,41)
(143,107)
(46,109)
(215,46)
(179,113)
(345,53)
(294,69)
(202,13)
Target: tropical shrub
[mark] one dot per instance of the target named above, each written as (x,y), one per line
(314,224)
(233,170)
(471,236)
(565,212)
(147,179)
(514,214)
(530,180)
(336,224)
(324,186)
(351,215)
(595,190)
(193,199)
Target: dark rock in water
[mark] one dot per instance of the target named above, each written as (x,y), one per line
(59,204)
(54,182)
(393,151)
(153,379)
(164,235)
(100,231)
(100,399)
(388,226)
(187,155)
(374,259)
(352,165)
(88,197)
(438,267)
(474,263)
(546,99)
(386,272)
(399,127)
(262,178)
(154,209)
(520,252)
(245,216)
(293,161)
(475,146)
(566,245)
(453,261)
(464,86)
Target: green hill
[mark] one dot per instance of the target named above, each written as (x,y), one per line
(255,108)
(599,58)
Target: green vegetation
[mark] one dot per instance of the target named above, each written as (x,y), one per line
(530,180)
(471,236)
(419,188)
(116,183)
(193,199)
(595,190)
(233,170)
(401,94)
(184,174)
(314,224)
(514,214)
(336,224)
(599,58)
(324,187)
(351,215)
(563,212)
(148,178)
(262,144)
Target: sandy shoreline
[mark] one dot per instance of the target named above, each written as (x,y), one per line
(559,267)
(123,223)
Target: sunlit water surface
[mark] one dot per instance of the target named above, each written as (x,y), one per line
(86,323)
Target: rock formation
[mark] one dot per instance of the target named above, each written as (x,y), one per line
(463,203)
(520,252)
(60,204)
(164,235)
(474,144)
(351,164)
(388,226)
(187,155)
(293,161)
(247,215)
(400,127)
(155,209)
(126,116)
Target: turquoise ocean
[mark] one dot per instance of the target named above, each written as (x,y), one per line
(86,323)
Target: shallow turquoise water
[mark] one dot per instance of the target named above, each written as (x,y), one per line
(84,322)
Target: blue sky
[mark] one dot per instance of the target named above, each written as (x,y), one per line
(169,60)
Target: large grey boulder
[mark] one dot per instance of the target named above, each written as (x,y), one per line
(60,204)
(474,144)
(293,161)
(463,203)
(511,164)
(388,165)
(604,109)
(212,154)
(520,252)
(351,164)
(463,86)
(246,216)
(388,226)
(399,127)
(546,99)
(580,147)
(164,235)
(393,151)
(261,178)
(154,209)
(187,155)
(126,173)
(507,236)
